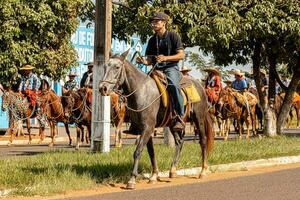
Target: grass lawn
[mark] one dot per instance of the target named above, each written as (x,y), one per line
(58,171)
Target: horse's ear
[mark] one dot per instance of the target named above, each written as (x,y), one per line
(125,54)
(64,90)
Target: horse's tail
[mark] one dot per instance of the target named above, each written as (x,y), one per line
(210,133)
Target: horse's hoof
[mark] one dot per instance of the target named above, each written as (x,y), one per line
(40,142)
(29,142)
(77,148)
(130,186)
(50,145)
(9,144)
(202,175)
(172,175)
(152,181)
(225,138)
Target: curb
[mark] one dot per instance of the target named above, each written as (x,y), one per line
(35,141)
(239,166)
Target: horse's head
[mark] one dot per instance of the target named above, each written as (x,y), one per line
(114,74)
(68,102)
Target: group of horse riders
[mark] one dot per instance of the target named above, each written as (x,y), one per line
(164,51)
(213,83)
(30,83)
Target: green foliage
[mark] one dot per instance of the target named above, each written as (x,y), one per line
(227,29)
(39,32)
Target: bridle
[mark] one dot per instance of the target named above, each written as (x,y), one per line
(118,81)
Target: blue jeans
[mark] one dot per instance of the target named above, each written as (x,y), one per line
(173,76)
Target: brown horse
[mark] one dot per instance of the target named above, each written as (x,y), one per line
(278,103)
(147,112)
(118,112)
(76,109)
(52,109)
(232,108)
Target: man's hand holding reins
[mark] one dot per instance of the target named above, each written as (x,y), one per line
(141,60)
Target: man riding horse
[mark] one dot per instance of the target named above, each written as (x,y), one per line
(240,85)
(164,50)
(213,85)
(71,84)
(30,84)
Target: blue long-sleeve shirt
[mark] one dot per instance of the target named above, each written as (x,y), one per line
(239,85)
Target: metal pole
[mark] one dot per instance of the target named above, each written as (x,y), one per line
(101,105)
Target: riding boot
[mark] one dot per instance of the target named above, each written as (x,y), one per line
(179,124)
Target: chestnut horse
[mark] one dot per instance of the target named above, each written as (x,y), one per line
(76,108)
(231,108)
(147,112)
(52,109)
(118,112)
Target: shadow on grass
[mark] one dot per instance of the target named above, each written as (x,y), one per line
(100,173)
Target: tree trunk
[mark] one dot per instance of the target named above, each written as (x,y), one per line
(269,115)
(288,99)
(272,80)
(270,122)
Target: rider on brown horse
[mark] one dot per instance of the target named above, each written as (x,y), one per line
(30,84)
(213,85)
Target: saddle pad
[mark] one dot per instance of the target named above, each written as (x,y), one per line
(252,100)
(189,93)
(192,93)
(162,89)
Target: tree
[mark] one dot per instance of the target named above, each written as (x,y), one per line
(39,32)
(265,33)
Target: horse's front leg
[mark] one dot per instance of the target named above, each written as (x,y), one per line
(11,132)
(118,134)
(68,133)
(247,120)
(53,133)
(41,134)
(227,128)
(80,133)
(253,121)
(89,132)
(151,153)
(29,130)
(240,128)
(178,137)
(146,134)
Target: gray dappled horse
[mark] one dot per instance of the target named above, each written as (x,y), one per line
(143,94)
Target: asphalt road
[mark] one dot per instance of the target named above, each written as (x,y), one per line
(276,185)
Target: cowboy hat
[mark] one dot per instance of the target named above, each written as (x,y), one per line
(159,16)
(213,70)
(238,72)
(27,67)
(72,74)
(185,69)
(263,71)
(90,64)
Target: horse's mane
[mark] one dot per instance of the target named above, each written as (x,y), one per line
(45,85)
